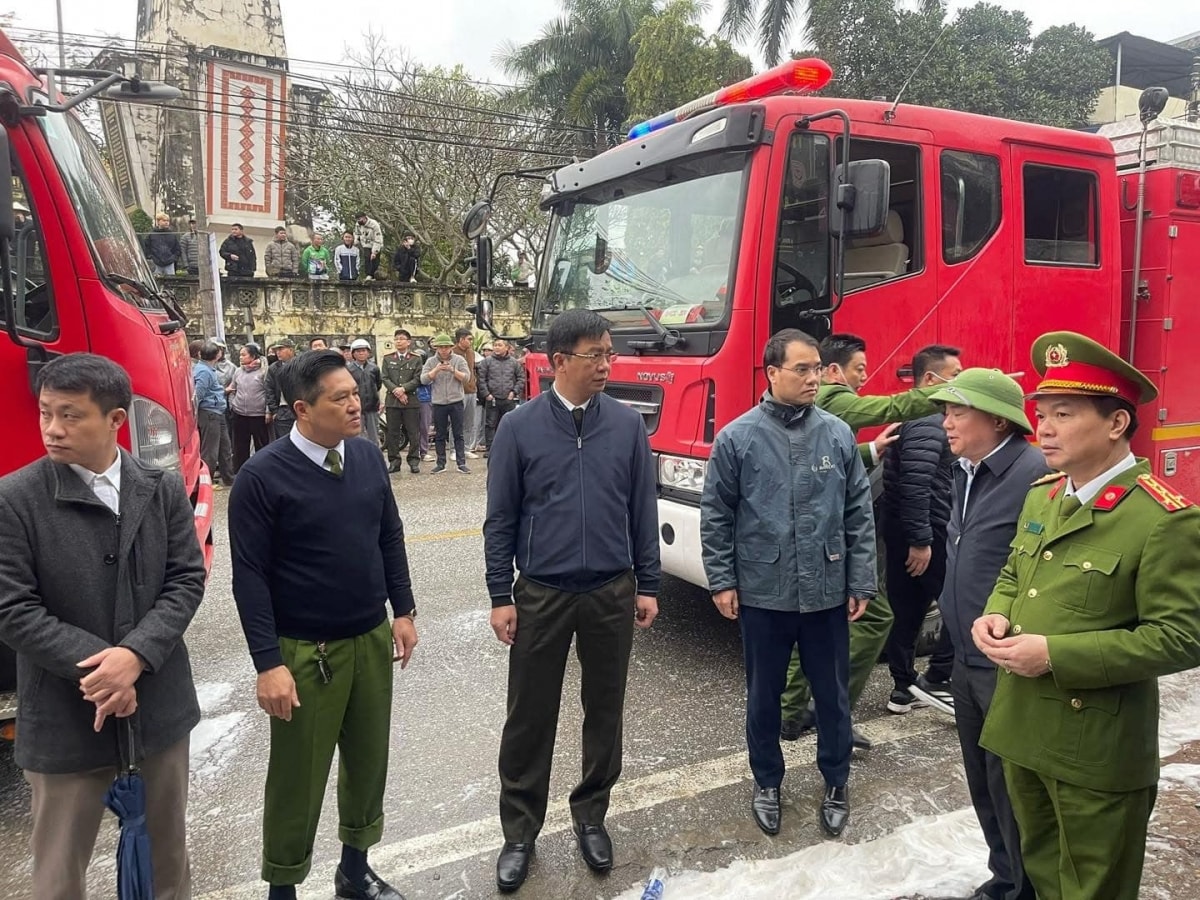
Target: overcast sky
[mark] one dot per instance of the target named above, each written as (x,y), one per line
(446,32)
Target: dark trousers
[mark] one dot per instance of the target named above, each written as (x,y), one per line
(214,444)
(247,430)
(449,416)
(910,599)
(823,641)
(370,264)
(973,687)
(495,411)
(601,622)
(281,425)
(404,424)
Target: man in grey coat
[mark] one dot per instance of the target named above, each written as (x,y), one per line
(101,664)
(788,542)
(986,426)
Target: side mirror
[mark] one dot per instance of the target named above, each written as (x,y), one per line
(476,220)
(483,316)
(137,91)
(863,198)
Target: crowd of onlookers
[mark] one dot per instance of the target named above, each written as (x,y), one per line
(419,400)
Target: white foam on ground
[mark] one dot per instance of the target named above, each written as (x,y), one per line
(933,855)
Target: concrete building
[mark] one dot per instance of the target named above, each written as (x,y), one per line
(1139,63)
(219,154)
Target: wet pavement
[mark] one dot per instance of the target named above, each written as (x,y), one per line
(682,801)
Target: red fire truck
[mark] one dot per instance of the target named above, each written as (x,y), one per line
(74,278)
(716,225)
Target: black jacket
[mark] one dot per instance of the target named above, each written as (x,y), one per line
(162,247)
(404,261)
(915,506)
(243,248)
(573,511)
(278,383)
(977,548)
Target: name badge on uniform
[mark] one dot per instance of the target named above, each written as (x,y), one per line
(1035,527)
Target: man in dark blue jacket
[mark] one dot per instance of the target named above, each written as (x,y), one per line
(986,426)
(913,510)
(572,499)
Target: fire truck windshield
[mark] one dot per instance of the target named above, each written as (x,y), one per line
(114,244)
(662,240)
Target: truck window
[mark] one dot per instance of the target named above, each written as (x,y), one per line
(970,203)
(899,249)
(802,250)
(1061,217)
(36,314)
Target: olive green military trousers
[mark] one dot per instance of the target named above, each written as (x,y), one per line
(351,712)
(867,637)
(1079,844)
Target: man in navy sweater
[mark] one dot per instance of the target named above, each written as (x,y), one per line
(312,593)
(572,499)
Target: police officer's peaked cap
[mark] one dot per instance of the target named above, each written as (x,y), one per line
(1070,363)
(989,391)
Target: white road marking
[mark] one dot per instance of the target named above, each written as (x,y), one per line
(461,842)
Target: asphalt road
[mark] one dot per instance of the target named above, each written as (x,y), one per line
(682,801)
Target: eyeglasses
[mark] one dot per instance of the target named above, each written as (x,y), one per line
(606,355)
(804,371)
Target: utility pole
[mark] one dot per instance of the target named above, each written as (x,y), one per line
(62,49)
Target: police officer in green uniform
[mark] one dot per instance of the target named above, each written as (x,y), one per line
(1100,596)
(844,357)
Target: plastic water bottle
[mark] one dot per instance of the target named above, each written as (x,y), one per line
(655,884)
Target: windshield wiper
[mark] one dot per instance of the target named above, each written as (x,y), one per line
(178,319)
(667,339)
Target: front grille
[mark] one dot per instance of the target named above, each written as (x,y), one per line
(646,399)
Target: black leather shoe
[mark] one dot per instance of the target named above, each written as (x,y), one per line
(415,468)
(792,729)
(859,741)
(369,887)
(595,846)
(512,865)
(765,807)
(395,466)
(835,810)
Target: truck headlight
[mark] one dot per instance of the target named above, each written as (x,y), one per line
(681,473)
(154,436)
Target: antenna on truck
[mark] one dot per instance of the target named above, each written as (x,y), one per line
(891,113)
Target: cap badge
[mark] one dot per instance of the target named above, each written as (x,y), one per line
(1056,356)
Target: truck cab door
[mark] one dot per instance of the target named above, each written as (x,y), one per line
(46,319)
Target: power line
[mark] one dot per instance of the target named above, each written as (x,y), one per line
(102,42)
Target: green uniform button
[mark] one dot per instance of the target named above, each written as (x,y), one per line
(1076,703)
(1016,629)
(1047,555)
(1087,565)
(1033,592)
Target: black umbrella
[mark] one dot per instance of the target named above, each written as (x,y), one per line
(127,799)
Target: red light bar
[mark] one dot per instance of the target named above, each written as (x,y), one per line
(797,75)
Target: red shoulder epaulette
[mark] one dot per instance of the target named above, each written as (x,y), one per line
(1050,479)
(1171,501)
(1110,497)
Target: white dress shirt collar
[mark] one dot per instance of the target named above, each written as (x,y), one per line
(1087,492)
(105,485)
(315,451)
(571,407)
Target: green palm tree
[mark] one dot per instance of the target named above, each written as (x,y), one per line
(575,69)
(777,17)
